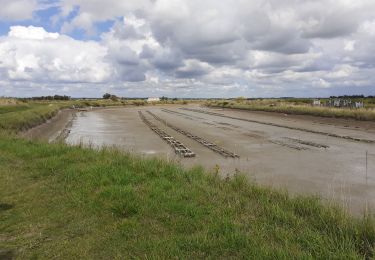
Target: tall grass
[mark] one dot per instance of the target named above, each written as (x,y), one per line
(8,101)
(23,115)
(284,107)
(69,202)
(26,116)
(29,114)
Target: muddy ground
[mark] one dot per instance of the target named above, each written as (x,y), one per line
(54,129)
(302,154)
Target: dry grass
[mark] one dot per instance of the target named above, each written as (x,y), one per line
(8,101)
(299,109)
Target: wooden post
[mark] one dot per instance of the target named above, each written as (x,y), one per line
(366,166)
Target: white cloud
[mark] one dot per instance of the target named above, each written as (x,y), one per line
(349,45)
(193,69)
(17,9)
(91,11)
(31,33)
(82,21)
(32,54)
(268,47)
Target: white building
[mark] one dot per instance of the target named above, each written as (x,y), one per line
(358,104)
(316,102)
(153,99)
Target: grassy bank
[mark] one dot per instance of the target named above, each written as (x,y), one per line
(19,116)
(25,116)
(298,109)
(16,115)
(67,202)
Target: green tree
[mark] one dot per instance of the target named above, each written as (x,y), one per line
(106,96)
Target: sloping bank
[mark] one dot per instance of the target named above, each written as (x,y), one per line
(357,114)
(67,202)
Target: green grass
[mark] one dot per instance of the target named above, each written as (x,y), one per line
(299,109)
(26,115)
(11,108)
(67,202)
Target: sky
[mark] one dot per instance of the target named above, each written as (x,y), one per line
(187,48)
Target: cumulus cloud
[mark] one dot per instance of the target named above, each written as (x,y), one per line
(31,33)
(91,11)
(34,55)
(17,9)
(193,69)
(180,47)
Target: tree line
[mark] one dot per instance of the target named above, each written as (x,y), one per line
(55,97)
(352,96)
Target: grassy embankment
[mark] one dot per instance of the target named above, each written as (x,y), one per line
(297,108)
(21,115)
(67,202)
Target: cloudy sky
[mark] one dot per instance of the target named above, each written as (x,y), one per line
(187,48)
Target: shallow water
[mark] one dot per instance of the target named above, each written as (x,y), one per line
(271,155)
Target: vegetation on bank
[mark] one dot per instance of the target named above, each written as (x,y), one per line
(297,107)
(67,202)
(21,115)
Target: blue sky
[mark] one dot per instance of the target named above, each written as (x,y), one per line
(187,48)
(46,18)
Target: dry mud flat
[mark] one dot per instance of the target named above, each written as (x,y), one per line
(316,156)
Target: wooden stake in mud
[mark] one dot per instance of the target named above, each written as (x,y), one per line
(366,166)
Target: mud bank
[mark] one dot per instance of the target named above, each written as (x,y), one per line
(53,129)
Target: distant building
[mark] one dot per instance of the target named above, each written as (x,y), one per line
(359,104)
(344,103)
(337,103)
(316,102)
(153,99)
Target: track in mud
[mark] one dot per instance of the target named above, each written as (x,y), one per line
(282,126)
(298,144)
(308,143)
(65,131)
(288,142)
(200,140)
(180,114)
(178,147)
